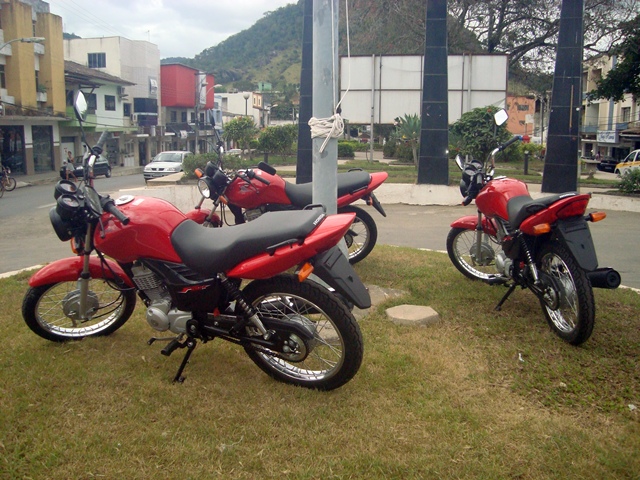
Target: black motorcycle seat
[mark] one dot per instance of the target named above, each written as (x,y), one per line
(212,250)
(348,182)
(522,207)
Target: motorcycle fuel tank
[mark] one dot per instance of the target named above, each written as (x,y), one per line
(254,194)
(492,199)
(147,235)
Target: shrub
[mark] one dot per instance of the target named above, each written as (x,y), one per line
(345,150)
(191,162)
(389,149)
(630,181)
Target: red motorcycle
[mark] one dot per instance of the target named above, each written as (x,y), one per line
(251,192)
(541,244)
(190,279)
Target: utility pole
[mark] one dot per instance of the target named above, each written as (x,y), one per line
(325,71)
(304,161)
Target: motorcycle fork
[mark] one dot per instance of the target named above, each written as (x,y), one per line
(85,275)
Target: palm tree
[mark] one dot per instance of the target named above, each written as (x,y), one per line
(408,131)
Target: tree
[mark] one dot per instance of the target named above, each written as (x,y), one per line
(625,77)
(240,130)
(408,132)
(476,134)
(278,139)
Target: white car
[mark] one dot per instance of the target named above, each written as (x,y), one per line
(165,163)
(631,162)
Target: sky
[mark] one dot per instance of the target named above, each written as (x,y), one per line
(180,28)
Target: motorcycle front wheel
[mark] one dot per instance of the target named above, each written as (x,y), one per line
(334,354)
(473,262)
(362,234)
(568,302)
(52,311)
(9,183)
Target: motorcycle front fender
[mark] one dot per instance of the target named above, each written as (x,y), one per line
(470,222)
(69,270)
(333,268)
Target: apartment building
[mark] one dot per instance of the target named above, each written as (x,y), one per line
(137,63)
(32,86)
(609,128)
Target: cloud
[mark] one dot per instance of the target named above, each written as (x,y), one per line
(179,28)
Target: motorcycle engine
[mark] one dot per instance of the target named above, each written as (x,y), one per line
(250,215)
(160,315)
(503,264)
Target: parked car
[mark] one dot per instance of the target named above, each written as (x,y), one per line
(100,167)
(631,161)
(607,164)
(165,163)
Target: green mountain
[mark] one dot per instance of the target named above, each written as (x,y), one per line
(271,50)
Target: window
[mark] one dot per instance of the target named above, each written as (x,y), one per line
(92,102)
(110,103)
(126,109)
(183,116)
(174,116)
(97,60)
(3,82)
(193,117)
(523,108)
(626,114)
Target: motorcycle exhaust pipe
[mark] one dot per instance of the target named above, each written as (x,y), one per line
(604,278)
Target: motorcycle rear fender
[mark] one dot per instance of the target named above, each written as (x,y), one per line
(268,264)
(575,234)
(470,222)
(377,179)
(69,270)
(333,268)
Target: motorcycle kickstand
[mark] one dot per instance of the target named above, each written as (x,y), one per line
(190,344)
(504,298)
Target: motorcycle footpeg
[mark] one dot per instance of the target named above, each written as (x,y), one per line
(171,347)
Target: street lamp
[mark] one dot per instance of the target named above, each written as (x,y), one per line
(23,40)
(246,96)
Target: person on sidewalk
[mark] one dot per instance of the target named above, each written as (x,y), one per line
(68,166)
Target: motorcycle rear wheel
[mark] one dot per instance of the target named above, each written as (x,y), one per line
(337,350)
(573,317)
(50,311)
(462,249)
(362,234)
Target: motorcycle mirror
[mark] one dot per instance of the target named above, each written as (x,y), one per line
(459,162)
(80,105)
(500,116)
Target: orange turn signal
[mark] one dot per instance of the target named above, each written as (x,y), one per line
(305,271)
(542,228)
(597,216)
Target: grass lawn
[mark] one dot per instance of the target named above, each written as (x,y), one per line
(481,394)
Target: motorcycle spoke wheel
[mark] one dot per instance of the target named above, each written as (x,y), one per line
(568,305)
(463,252)
(326,362)
(9,183)
(52,311)
(362,234)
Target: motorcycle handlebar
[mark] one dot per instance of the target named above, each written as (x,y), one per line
(109,206)
(251,174)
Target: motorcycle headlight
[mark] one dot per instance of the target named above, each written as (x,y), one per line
(60,226)
(203,186)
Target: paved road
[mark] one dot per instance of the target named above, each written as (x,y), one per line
(26,236)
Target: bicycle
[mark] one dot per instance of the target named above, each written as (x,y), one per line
(6,182)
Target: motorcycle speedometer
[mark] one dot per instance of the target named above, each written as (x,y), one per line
(68,206)
(64,187)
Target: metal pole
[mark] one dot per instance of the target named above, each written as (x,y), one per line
(304,168)
(325,70)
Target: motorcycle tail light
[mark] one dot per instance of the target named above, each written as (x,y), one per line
(575,208)
(596,216)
